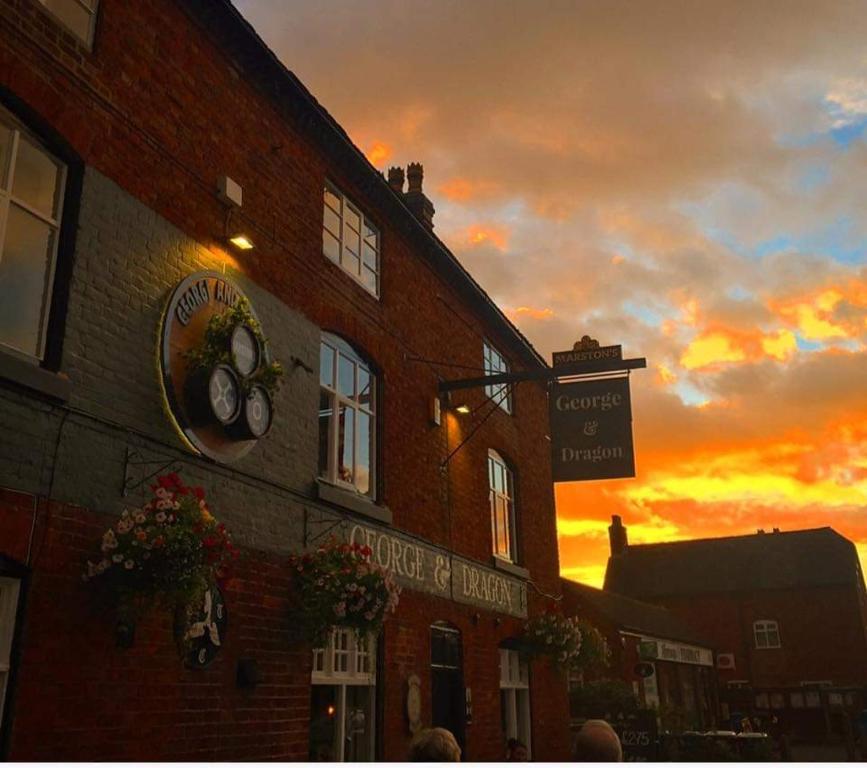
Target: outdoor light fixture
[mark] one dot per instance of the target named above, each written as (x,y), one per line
(463,409)
(241,241)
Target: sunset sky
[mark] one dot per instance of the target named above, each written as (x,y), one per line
(686,179)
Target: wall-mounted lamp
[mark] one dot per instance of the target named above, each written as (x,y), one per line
(242,242)
(463,409)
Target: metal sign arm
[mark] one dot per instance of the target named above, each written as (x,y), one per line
(546,374)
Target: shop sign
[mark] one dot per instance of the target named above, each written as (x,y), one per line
(592,354)
(209,407)
(680,653)
(422,567)
(591,430)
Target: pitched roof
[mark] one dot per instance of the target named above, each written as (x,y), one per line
(778,560)
(261,67)
(633,615)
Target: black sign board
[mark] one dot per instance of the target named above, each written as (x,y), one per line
(585,355)
(638,736)
(591,430)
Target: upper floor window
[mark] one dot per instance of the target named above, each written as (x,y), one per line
(31,201)
(767,634)
(502,497)
(346,416)
(495,363)
(78,16)
(350,240)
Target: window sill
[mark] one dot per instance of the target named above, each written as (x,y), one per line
(354,502)
(515,570)
(32,377)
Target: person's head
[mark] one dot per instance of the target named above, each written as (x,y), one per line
(597,742)
(516,751)
(434,745)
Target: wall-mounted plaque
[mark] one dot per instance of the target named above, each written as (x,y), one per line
(219,409)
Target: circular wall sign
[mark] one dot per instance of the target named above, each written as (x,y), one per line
(208,406)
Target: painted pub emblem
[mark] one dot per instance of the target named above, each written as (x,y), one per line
(200,629)
(217,374)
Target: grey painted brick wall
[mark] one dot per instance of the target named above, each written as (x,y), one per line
(127,262)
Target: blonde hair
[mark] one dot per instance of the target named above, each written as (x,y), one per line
(434,745)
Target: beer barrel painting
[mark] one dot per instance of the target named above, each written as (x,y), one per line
(219,402)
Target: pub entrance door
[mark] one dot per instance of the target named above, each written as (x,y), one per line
(447,680)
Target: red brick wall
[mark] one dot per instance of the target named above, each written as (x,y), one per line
(159,109)
(821,634)
(79,697)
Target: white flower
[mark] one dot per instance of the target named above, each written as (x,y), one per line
(162,493)
(109,541)
(129,565)
(140,517)
(160,517)
(117,558)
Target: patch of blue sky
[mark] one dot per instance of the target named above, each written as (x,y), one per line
(651,316)
(813,178)
(838,240)
(739,293)
(806,345)
(848,134)
(689,394)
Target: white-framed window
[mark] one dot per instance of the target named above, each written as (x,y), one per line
(495,363)
(78,16)
(31,201)
(501,483)
(349,239)
(767,633)
(343,697)
(515,698)
(347,410)
(9,589)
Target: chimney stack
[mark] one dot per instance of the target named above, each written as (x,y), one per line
(395,179)
(416,200)
(617,536)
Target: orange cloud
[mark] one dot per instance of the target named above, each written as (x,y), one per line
(378,153)
(711,349)
(827,313)
(531,312)
(461,190)
(714,348)
(483,235)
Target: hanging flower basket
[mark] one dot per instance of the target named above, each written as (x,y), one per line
(168,552)
(338,586)
(555,637)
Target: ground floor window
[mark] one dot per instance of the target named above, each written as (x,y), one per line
(8,608)
(515,698)
(343,698)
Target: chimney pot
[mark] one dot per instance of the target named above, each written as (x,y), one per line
(617,536)
(416,200)
(415,176)
(395,179)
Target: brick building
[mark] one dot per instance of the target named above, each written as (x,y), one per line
(668,663)
(785,611)
(118,119)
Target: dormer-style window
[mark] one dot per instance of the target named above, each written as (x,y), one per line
(767,634)
(78,16)
(495,363)
(349,239)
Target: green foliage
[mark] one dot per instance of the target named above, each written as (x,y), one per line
(605,699)
(214,348)
(338,586)
(594,655)
(554,636)
(168,551)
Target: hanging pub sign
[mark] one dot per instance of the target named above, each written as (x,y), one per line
(591,430)
(217,374)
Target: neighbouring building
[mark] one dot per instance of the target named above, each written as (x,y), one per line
(669,665)
(137,138)
(784,610)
